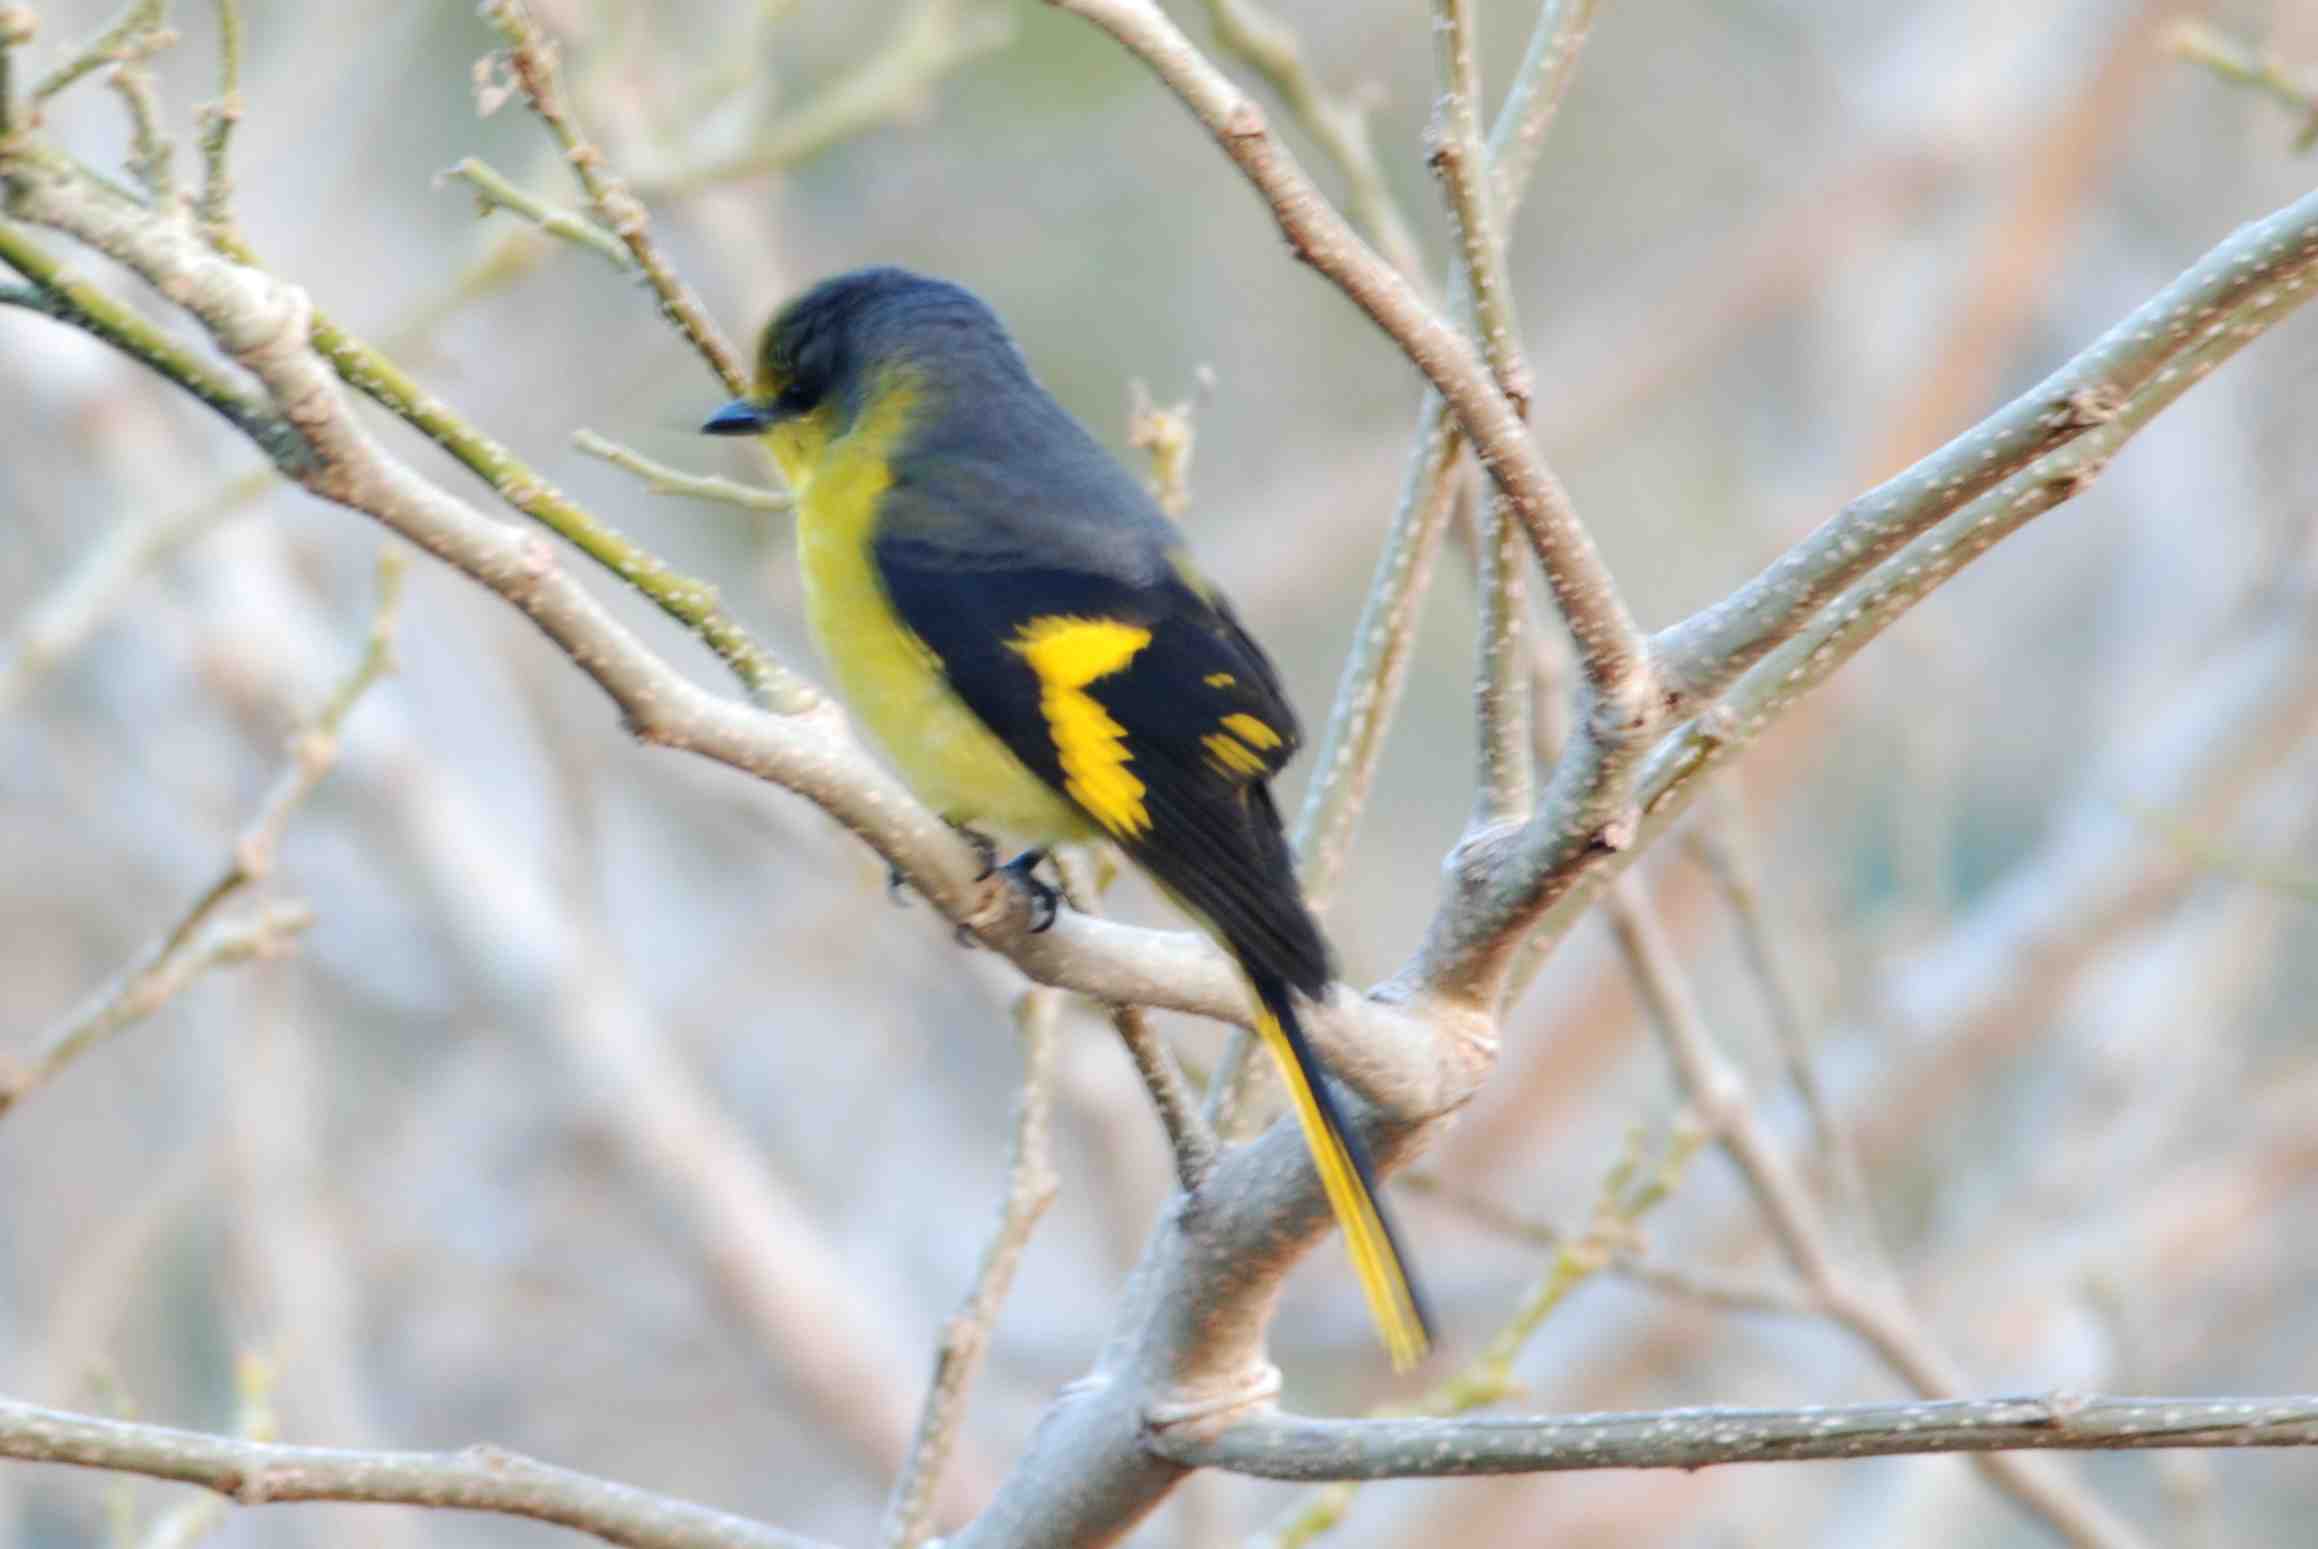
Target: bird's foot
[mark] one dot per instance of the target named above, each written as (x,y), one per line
(1045,900)
(1019,874)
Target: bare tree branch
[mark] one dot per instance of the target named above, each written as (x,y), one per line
(254,1473)
(2266,260)
(1337,123)
(661,479)
(531,53)
(1868,1305)
(1368,690)
(1290,1447)
(190,947)
(495,191)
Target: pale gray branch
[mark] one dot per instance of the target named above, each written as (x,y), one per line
(1705,653)
(477,1479)
(1313,1451)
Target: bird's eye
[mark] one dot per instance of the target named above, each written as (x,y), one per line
(792,400)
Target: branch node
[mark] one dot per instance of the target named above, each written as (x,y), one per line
(1244,121)
(1620,832)
(1215,1406)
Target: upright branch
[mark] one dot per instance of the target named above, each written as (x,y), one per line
(531,55)
(1375,670)
(218,117)
(1337,123)
(1501,679)
(1864,1304)
(1031,1185)
(1458,160)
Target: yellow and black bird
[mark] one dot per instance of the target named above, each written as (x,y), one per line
(1024,632)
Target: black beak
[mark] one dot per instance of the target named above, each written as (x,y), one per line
(741,417)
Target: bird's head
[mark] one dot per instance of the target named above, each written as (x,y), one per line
(859,345)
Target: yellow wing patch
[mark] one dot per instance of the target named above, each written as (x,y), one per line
(1219,680)
(1251,731)
(1238,749)
(1067,654)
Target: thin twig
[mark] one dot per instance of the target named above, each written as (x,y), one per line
(18,27)
(217,118)
(267,933)
(152,158)
(1725,859)
(1031,1185)
(1502,673)
(1715,1291)
(1188,1134)
(190,947)
(1459,160)
(935,40)
(1629,1192)
(488,1479)
(1167,435)
(493,191)
(1874,1313)
(136,20)
(2223,860)
(1375,669)
(1338,125)
(1501,687)
(661,479)
(531,54)
(2242,65)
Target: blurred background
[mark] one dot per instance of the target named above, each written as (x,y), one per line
(608,1111)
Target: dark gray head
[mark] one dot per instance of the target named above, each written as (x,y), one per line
(838,343)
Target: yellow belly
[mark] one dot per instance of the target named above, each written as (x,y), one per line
(888,678)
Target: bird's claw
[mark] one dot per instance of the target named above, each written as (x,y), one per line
(1020,874)
(1045,900)
(985,848)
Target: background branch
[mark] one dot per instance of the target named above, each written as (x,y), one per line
(253,1473)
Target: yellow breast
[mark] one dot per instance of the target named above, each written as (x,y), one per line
(887,677)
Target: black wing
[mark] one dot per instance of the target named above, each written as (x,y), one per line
(1199,718)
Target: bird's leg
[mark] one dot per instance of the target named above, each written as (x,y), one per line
(984,847)
(1045,901)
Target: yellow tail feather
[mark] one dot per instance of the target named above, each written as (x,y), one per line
(1383,1279)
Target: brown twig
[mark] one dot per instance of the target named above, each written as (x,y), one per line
(1031,1185)
(531,55)
(1874,1313)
